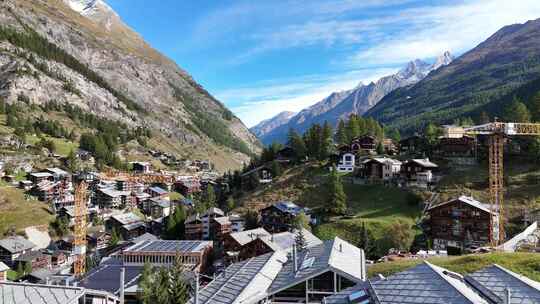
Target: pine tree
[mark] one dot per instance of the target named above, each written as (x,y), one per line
(179,289)
(276,169)
(353,128)
(300,239)
(115,237)
(341,133)
(230,204)
(337,199)
(145,284)
(327,143)
(297,143)
(517,112)
(484,118)
(71,161)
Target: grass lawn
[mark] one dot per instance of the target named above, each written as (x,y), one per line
(527,264)
(16,211)
(375,206)
(62,146)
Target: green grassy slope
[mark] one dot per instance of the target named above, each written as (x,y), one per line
(527,264)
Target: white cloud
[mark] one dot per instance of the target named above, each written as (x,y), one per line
(453,27)
(267,99)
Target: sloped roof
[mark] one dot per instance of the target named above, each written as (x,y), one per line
(223,220)
(424,162)
(342,297)
(383,160)
(425,283)
(212,211)
(16,244)
(145,237)
(3,267)
(286,240)
(23,293)
(158,190)
(106,276)
(467,200)
(127,218)
(243,282)
(172,246)
(334,255)
(493,281)
(246,236)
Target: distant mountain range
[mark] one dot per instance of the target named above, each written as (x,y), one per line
(339,105)
(479,80)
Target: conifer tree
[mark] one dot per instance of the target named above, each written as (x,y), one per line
(337,199)
(341,133)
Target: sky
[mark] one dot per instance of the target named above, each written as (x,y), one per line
(267,56)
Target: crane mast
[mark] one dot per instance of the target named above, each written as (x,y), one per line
(79,267)
(497,132)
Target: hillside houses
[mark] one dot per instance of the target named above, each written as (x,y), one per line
(462,222)
(279,217)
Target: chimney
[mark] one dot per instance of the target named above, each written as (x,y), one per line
(122,277)
(363,265)
(294,259)
(340,247)
(507,296)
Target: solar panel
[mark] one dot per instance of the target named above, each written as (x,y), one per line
(359,297)
(307,263)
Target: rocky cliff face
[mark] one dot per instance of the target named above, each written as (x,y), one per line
(270,124)
(359,100)
(138,86)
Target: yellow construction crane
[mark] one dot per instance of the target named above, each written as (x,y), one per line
(497,132)
(79,243)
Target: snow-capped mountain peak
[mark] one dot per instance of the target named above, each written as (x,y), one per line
(442,60)
(89,7)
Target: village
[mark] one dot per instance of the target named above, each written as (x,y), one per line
(161,218)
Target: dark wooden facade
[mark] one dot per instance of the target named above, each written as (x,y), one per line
(460,147)
(364,143)
(194,228)
(461,222)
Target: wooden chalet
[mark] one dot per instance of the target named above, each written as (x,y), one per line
(366,143)
(280,216)
(36,259)
(194,228)
(381,168)
(457,147)
(219,228)
(462,222)
(412,144)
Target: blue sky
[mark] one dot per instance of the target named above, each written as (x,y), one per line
(267,56)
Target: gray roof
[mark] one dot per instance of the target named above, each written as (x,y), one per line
(425,283)
(493,281)
(224,220)
(467,200)
(246,236)
(163,203)
(286,240)
(106,276)
(127,218)
(333,255)
(342,297)
(213,211)
(169,246)
(145,237)
(254,279)
(3,267)
(16,244)
(22,293)
(245,281)
(425,162)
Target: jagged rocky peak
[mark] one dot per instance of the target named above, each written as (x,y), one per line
(89,7)
(413,68)
(445,59)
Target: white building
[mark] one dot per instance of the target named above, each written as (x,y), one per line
(346,162)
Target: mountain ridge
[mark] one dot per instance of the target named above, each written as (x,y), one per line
(505,60)
(186,119)
(339,105)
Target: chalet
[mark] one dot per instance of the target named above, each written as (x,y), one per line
(346,162)
(280,216)
(188,187)
(3,272)
(303,277)
(194,227)
(156,192)
(381,168)
(68,212)
(462,222)
(109,198)
(262,175)
(366,144)
(219,228)
(160,207)
(99,240)
(13,247)
(285,155)
(237,222)
(457,147)
(411,145)
(235,241)
(36,259)
(207,219)
(26,185)
(38,177)
(129,225)
(390,146)
(46,190)
(418,171)
(142,167)
(58,174)
(59,258)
